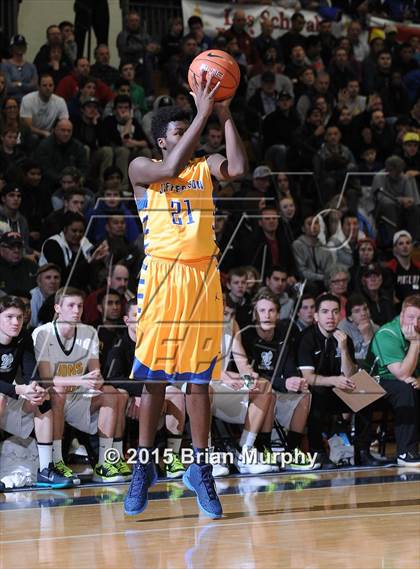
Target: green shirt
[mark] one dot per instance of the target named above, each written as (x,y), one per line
(389,346)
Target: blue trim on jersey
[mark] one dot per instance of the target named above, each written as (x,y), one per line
(146,231)
(141,281)
(140,295)
(145,218)
(144,267)
(142,373)
(141,203)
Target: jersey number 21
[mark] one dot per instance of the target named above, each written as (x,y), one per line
(177,209)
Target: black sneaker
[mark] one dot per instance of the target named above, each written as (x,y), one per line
(363,457)
(2,487)
(409,458)
(325,463)
(51,478)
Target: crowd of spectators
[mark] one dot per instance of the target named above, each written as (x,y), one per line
(331,205)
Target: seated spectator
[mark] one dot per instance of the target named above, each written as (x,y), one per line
(14,267)
(237,297)
(262,103)
(398,201)
(11,119)
(171,43)
(137,94)
(313,260)
(124,135)
(305,312)
(11,200)
(313,49)
(74,201)
(405,269)
(264,344)
(325,356)
(411,155)
(60,150)
(394,353)
(117,279)
(262,248)
(358,40)
(332,162)
(3,88)
(118,369)
(297,62)
(21,76)
(69,43)
(305,82)
(380,303)
(289,221)
(374,82)
(54,39)
(36,201)
(57,64)
(72,252)
(131,42)
(351,98)
(78,394)
(11,155)
(41,109)
(109,203)
(358,326)
(238,32)
(265,40)
(214,142)
(321,88)
(70,180)
(276,282)
(277,129)
(337,282)
(120,250)
(109,324)
(270,65)
(86,92)
(25,406)
(178,66)
(48,280)
(70,84)
(365,254)
(340,70)
(343,244)
(260,194)
(294,36)
(101,69)
(306,141)
(196,29)
(379,133)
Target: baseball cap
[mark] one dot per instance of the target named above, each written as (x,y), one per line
(376,33)
(411,137)
(285,94)
(401,233)
(48,267)
(261,172)
(18,39)
(372,269)
(9,188)
(11,238)
(90,101)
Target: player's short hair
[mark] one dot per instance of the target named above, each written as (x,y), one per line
(412,300)
(236,272)
(11,301)
(71,217)
(266,294)
(64,292)
(326,297)
(165,115)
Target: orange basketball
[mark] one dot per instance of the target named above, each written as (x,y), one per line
(221,66)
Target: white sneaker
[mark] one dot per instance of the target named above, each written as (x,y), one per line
(409,458)
(220,470)
(251,464)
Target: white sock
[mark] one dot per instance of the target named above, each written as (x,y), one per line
(57,453)
(247,439)
(104,445)
(174,443)
(118,445)
(209,441)
(45,451)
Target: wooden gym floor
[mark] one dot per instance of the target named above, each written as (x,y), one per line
(367,519)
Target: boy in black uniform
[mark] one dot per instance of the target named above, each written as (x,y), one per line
(25,406)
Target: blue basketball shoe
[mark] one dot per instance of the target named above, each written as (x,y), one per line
(199,479)
(144,476)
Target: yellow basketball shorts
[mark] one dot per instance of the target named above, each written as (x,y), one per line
(180,321)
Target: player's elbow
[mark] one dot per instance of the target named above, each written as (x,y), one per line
(237,170)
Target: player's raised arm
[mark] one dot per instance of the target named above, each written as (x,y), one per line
(236,163)
(178,143)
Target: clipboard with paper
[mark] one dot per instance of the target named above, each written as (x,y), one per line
(367,391)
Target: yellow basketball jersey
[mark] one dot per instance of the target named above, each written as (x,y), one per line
(178,215)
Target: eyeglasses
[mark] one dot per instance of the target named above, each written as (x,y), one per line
(8,108)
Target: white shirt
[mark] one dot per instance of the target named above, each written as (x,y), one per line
(43,114)
(71,361)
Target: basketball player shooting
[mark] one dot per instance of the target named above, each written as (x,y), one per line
(180,307)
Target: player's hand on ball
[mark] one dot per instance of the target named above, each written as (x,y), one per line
(203,94)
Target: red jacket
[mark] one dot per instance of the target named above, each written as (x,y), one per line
(68,88)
